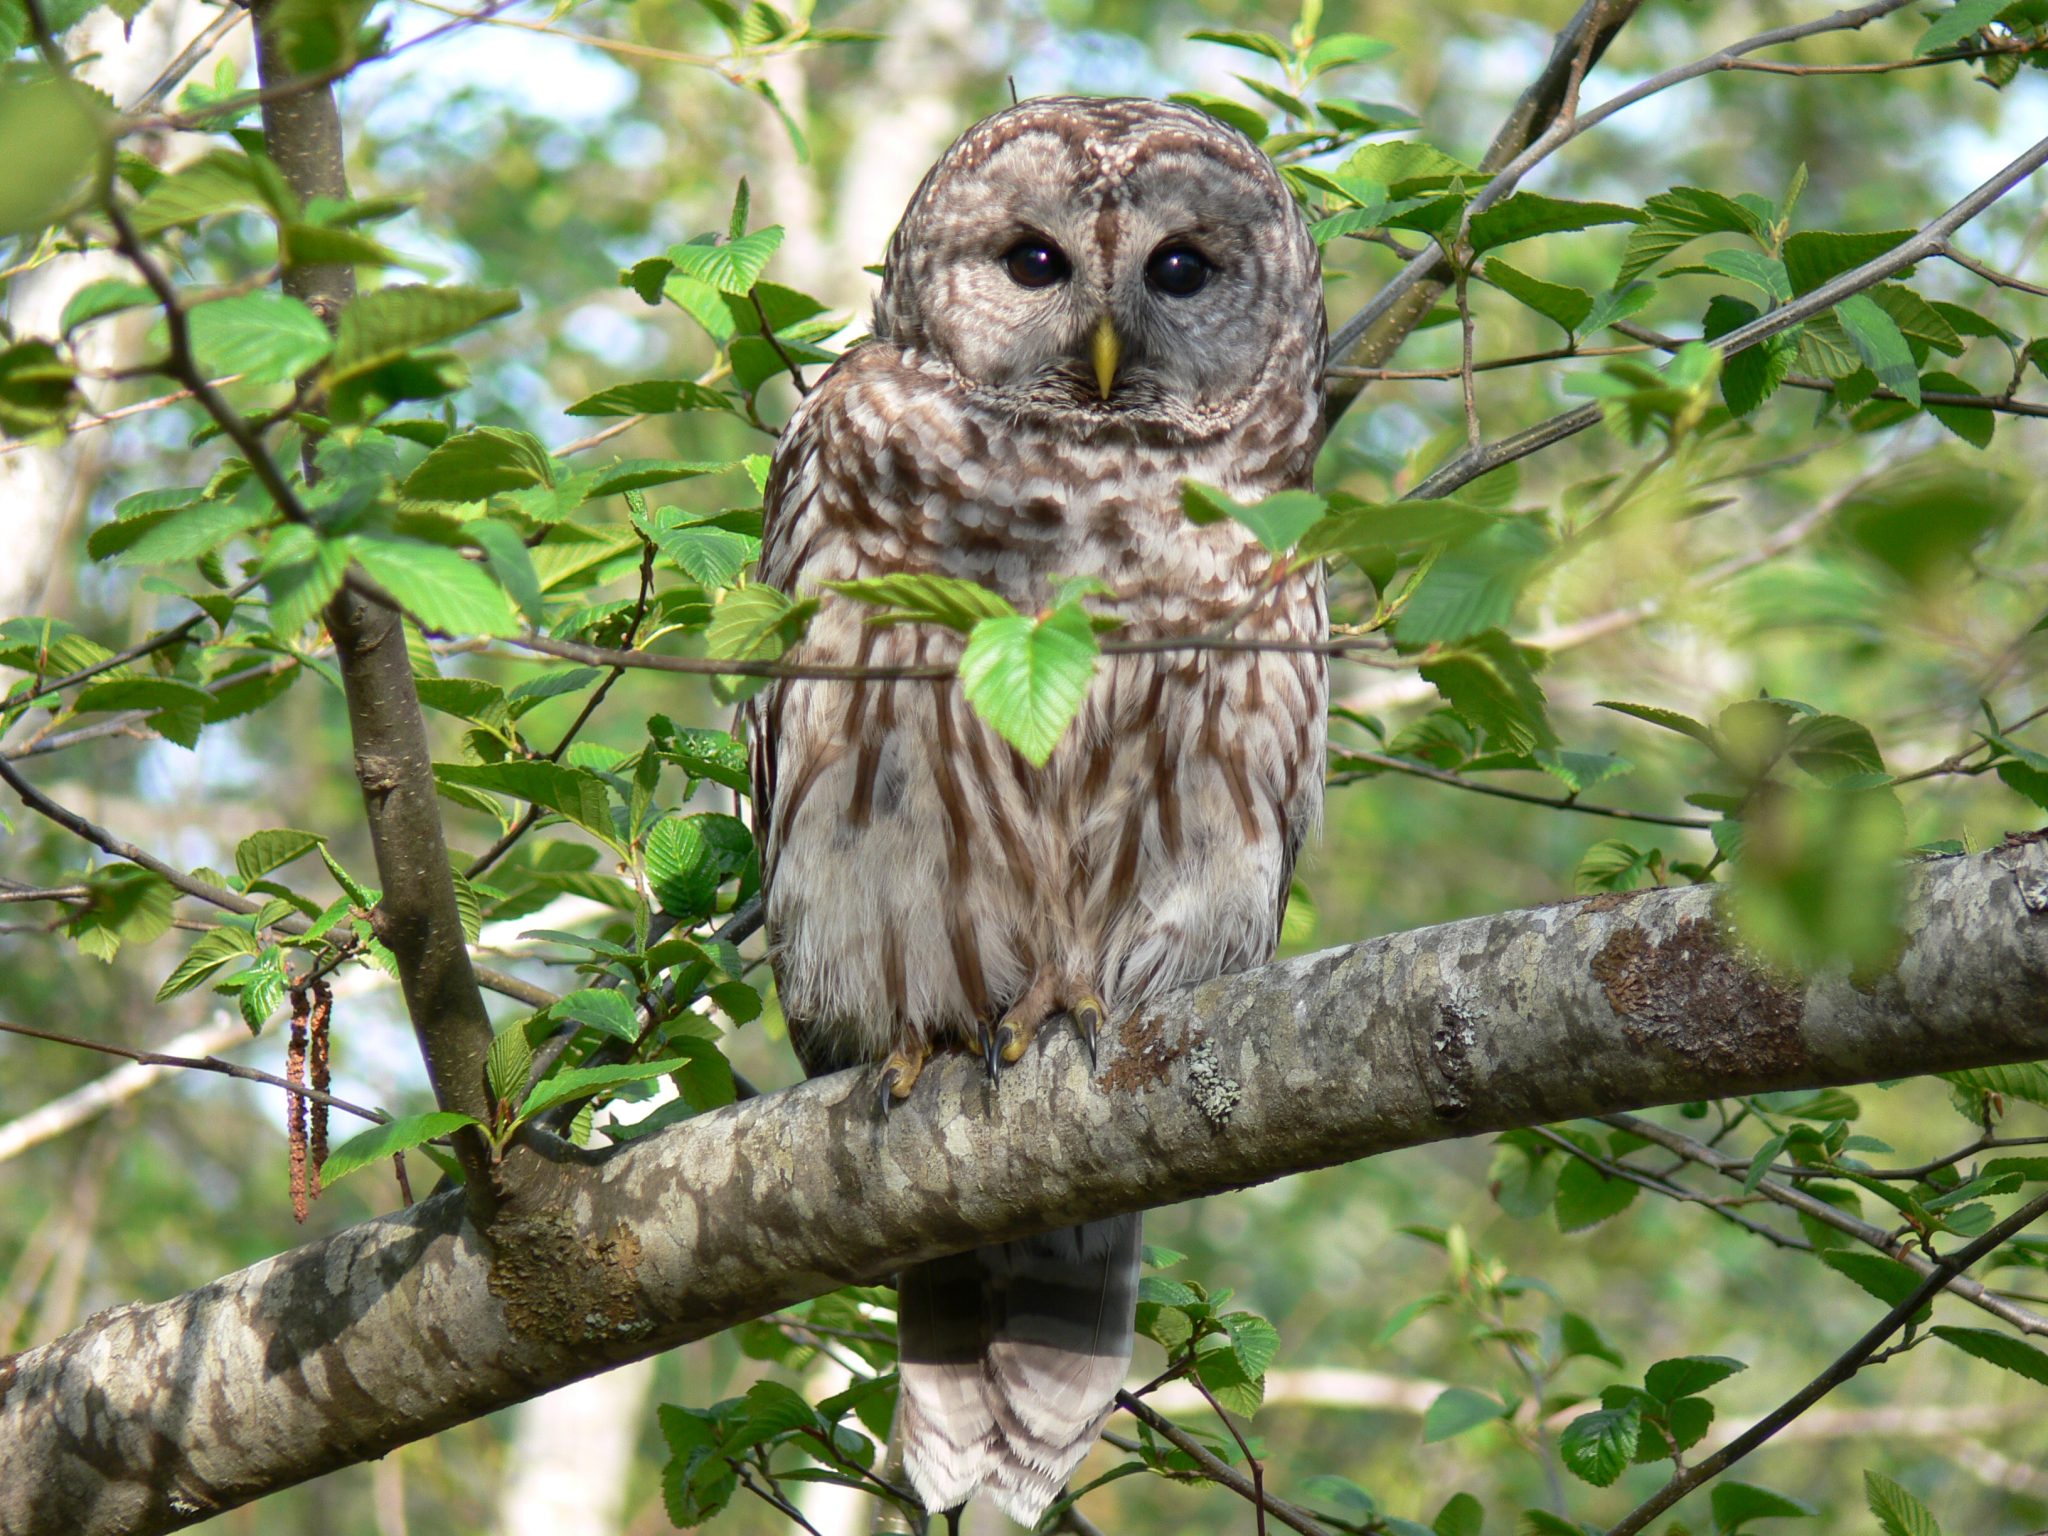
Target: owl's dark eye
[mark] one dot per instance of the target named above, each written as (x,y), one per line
(1178,270)
(1036,263)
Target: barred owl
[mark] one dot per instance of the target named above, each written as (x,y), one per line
(1086,304)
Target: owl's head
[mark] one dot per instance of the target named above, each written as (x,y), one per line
(1108,263)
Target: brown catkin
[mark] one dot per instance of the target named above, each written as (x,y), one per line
(318,1045)
(295,1112)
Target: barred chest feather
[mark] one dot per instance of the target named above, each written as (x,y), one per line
(920,873)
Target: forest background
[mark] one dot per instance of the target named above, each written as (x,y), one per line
(1852,520)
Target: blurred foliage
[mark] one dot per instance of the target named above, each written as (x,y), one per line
(1784,610)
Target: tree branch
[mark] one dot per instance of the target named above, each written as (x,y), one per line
(142,1420)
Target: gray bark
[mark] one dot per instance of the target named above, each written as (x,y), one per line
(150,1417)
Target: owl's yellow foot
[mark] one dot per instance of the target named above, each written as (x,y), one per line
(900,1073)
(1049,994)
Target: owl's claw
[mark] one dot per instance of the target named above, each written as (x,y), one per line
(983,1044)
(1047,996)
(900,1073)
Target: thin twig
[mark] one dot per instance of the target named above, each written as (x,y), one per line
(198,1064)
(1216,1469)
(1847,1364)
(1499,791)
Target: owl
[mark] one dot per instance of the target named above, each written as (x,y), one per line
(1086,304)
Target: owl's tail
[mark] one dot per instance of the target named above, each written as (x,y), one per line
(1011,1357)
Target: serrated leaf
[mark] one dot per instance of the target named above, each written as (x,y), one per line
(1897,1511)
(1598,1446)
(510,1061)
(1523,215)
(100,298)
(1340,50)
(192,533)
(215,948)
(689,857)
(1250,42)
(1736,1504)
(575,793)
(2000,1349)
(1880,344)
(1958,24)
(265,337)
(650,397)
(733,267)
(1676,218)
(1586,1196)
(1278,522)
(1474,588)
(383,1141)
(1670,719)
(480,463)
(511,564)
(582,1082)
(1686,1375)
(1026,678)
(383,326)
(1254,1340)
(1457,1409)
(713,557)
(261,852)
(1565,305)
(909,598)
(1814,255)
(434,584)
(1488,681)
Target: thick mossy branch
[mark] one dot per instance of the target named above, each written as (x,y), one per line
(152,1417)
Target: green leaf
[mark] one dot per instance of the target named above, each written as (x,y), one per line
(645,474)
(258,991)
(1474,587)
(1598,1446)
(61,124)
(100,298)
(2000,1349)
(1224,110)
(650,397)
(1814,255)
(436,585)
(601,1009)
(387,324)
(909,598)
(1568,306)
(510,1062)
(1254,1340)
(755,623)
(1897,1511)
(1682,215)
(224,181)
(1278,522)
(510,562)
(1751,376)
(583,1082)
(261,852)
(127,906)
(1957,25)
(193,533)
(1457,1409)
(1975,425)
(1341,50)
(1670,719)
(383,1141)
(1586,1196)
(1736,1504)
(1885,1278)
(1522,215)
(1250,42)
(1577,1336)
(265,337)
(1487,679)
(215,948)
(1026,677)
(480,463)
(733,267)
(689,857)
(1881,345)
(1686,1375)
(1613,865)
(1462,1515)
(709,555)
(575,793)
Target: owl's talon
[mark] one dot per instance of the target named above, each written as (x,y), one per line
(899,1075)
(1014,1037)
(1087,1013)
(984,1045)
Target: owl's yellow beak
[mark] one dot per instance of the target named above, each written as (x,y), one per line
(1107,352)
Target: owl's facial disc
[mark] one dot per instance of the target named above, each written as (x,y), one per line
(1105,263)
